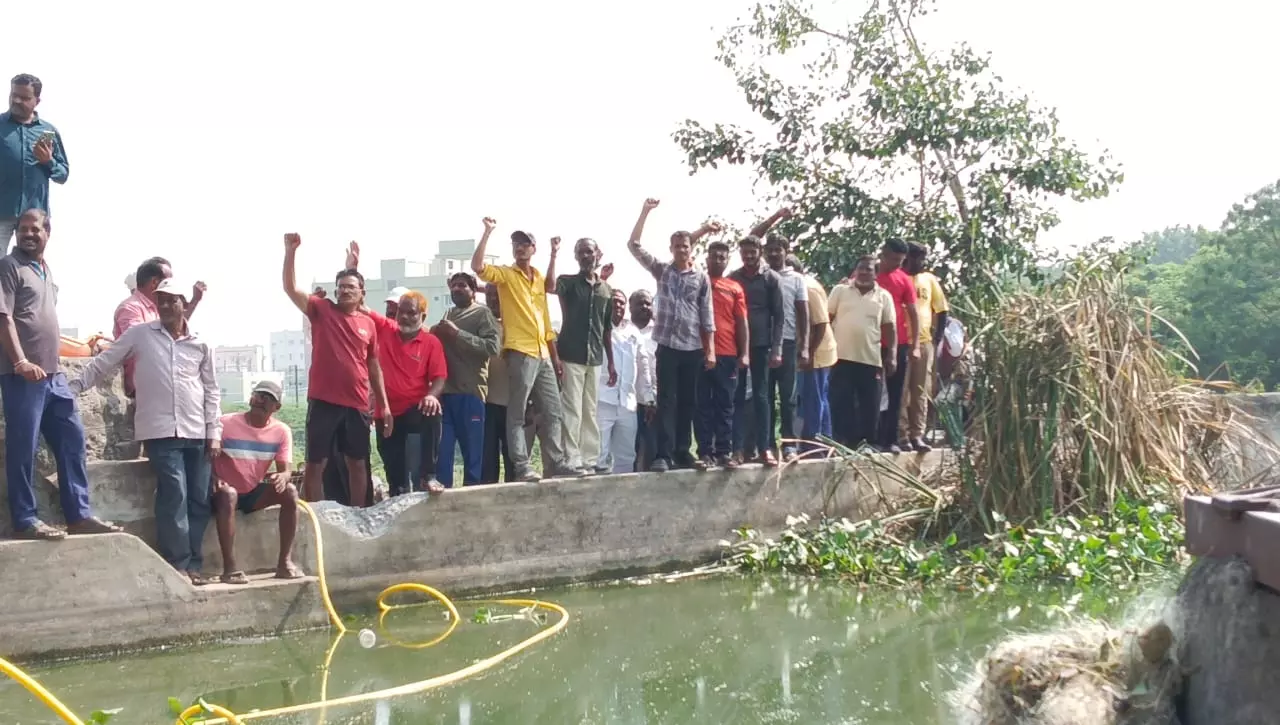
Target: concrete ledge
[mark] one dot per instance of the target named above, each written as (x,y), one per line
(90,594)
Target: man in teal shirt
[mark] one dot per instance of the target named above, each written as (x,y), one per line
(31,155)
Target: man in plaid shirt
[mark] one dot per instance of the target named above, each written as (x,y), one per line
(684,330)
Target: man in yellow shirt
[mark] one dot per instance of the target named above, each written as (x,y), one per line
(931,304)
(814,410)
(863,316)
(529,348)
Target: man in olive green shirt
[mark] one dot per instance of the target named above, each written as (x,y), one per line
(469,335)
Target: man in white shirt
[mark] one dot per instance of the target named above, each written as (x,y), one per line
(177,417)
(616,404)
(641,303)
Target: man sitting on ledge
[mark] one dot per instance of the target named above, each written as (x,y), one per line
(250,442)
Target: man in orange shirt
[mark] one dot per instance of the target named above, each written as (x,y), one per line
(713,424)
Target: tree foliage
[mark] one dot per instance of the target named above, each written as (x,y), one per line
(881,137)
(1223,296)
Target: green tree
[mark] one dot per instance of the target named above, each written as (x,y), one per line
(882,137)
(1223,297)
(1173,245)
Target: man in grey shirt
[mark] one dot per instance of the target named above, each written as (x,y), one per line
(36,396)
(795,333)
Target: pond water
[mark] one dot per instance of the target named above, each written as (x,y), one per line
(713,650)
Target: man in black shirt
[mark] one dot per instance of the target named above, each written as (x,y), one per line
(764,323)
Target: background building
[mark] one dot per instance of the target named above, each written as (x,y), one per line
(238,358)
(291,357)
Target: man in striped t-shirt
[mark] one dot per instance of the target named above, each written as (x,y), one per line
(250,442)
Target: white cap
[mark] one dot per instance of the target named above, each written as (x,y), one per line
(397,293)
(176,287)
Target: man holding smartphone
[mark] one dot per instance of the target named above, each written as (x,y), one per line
(31,155)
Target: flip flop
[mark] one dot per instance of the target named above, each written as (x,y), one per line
(40,531)
(198,579)
(235,577)
(292,572)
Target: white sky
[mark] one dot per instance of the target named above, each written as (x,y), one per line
(204,132)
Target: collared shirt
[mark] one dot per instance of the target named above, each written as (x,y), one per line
(730,303)
(29,297)
(468,354)
(24,181)
(646,367)
(791,285)
(177,391)
(526,321)
(856,317)
(929,301)
(340,348)
(408,366)
(628,348)
(903,291)
(588,317)
(825,355)
(134,310)
(682,307)
(764,305)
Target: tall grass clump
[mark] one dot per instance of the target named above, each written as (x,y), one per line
(1077,404)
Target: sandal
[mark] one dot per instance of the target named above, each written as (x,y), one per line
(235,577)
(93,525)
(290,572)
(198,579)
(40,531)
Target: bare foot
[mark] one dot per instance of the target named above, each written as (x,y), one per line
(289,570)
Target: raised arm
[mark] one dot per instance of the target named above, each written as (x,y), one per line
(290,277)
(646,260)
(706,228)
(763,227)
(477,257)
(550,281)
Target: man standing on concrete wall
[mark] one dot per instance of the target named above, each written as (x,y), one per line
(893,280)
(140,306)
(36,396)
(31,155)
(641,305)
(529,346)
(765,318)
(414,370)
(344,369)
(684,329)
(584,343)
(616,409)
(177,419)
(470,336)
(814,382)
(863,321)
(719,385)
(931,303)
(496,453)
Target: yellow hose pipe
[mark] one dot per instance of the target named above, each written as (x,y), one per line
(43,695)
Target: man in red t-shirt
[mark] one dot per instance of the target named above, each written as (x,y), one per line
(713,424)
(902,289)
(414,368)
(344,366)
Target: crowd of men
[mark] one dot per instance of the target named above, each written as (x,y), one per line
(717,369)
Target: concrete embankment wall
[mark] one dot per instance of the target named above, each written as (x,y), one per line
(104,592)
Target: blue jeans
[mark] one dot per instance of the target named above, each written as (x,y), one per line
(182,499)
(713,420)
(815,410)
(463,421)
(30,410)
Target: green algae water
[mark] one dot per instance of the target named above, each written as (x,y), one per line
(713,650)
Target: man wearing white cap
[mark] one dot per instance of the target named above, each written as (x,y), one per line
(393,301)
(177,418)
(251,441)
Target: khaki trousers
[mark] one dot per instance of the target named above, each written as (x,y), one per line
(916,394)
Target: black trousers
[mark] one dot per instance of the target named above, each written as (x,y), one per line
(678,373)
(782,396)
(855,402)
(495,445)
(395,450)
(714,417)
(753,419)
(895,384)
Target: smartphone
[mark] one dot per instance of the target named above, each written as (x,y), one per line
(47,136)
